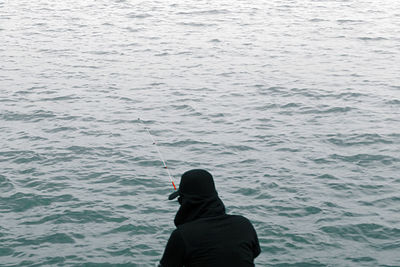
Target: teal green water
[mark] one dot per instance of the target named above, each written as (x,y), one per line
(294,106)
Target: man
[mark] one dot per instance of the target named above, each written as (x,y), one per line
(205,236)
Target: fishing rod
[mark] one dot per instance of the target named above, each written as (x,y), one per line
(159,152)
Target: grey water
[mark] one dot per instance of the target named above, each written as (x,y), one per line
(293,106)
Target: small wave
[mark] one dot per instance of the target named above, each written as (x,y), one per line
(67,117)
(358,139)
(183,107)
(35,116)
(187,142)
(104,263)
(128,207)
(362,259)
(60,129)
(5,184)
(393,102)
(327,177)
(300,264)
(80,149)
(340,186)
(371,189)
(162,54)
(290,105)
(217,115)
(10,155)
(95,150)
(299,238)
(317,20)
(83,216)
(86,66)
(107,179)
(130,29)
(266,107)
(124,228)
(215,41)
(382,202)
(100,52)
(274,250)
(121,252)
(322,161)
(348,95)
(293,212)
(204,12)
(308,110)
(196,24)
(360,232)
(366,159)
(20,202)
(240,148)
(30,156)
(247,191)
(58,238)
(349,21)
(331,205)
(395,245)
(4,251)
(319,94)
(98,132)
(264,195)
(371,38)
(138,16)
(287,149)
(133,229)
(273,90)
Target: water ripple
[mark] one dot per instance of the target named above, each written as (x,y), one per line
(20,202)
(292,105)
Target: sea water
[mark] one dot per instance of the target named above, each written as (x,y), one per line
(293,106)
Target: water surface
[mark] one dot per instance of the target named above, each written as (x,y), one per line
(294,107)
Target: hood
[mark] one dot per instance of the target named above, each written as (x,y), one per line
(198,197)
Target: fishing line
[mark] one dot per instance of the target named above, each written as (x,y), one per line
(159,152)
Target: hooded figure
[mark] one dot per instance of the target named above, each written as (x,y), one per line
(205,236)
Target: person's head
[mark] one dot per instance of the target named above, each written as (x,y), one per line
(197,197)
(195,183)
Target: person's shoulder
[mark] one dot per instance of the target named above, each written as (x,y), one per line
(242,224)
(177,233)
(239,219)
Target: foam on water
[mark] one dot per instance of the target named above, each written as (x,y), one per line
(292,105)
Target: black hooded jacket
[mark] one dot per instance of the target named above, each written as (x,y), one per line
(207,237)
